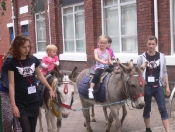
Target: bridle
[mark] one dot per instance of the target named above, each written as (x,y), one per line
(58,101)
(127,90)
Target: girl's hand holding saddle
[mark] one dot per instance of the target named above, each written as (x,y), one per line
(52,94)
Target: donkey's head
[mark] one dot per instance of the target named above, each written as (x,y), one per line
(65,92)
(134,83)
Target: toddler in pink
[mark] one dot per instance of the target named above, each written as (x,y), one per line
(50,60)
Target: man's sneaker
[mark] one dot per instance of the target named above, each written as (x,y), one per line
(91,96)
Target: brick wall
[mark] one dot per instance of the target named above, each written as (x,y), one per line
(164,26)
(145,22)
(4,31)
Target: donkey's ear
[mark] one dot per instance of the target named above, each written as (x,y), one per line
(126,69)
(74,74)
(143,66)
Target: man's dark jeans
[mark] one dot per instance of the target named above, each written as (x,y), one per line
(158,94)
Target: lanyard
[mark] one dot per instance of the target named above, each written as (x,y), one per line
(151,65)
(28,79)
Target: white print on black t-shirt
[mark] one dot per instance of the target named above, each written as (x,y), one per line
(26,71)
(153,64)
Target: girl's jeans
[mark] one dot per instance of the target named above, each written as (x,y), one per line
(158,94)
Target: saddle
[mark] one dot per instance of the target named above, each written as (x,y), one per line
(105,72)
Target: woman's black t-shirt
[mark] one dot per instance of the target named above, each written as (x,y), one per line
(153,68)
(24,75)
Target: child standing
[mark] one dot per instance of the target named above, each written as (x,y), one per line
(102,58)
(109,49)
(51,60)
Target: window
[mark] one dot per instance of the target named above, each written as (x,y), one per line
(120,23)
(11,33)
(173,21)
(25,30)
(40,31)
(74,29)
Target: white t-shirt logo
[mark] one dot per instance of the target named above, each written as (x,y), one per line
(26,71)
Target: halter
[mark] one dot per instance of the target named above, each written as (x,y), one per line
(59,103)
(126,87)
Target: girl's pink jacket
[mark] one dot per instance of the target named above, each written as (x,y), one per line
(50,62)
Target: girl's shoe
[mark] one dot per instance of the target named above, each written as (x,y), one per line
(91,96)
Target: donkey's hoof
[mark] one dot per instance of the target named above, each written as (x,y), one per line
(84,124)
(90,130)
(93,120)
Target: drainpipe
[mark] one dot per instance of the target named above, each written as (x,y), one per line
(48,11)
(156,22)
(13,19)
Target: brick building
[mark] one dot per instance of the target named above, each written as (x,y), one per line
(74,26)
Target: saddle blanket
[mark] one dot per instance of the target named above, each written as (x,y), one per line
(100,95)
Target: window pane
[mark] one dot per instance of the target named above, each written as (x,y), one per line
(115,45)
(41,46)
(40,16)
(109,2)
(80,25)
(41,31)
(79,8)
(80,46)
(69,46)
(112,21)
(68,10)
(129,19)
(68,27)
(129,44)
(122,1)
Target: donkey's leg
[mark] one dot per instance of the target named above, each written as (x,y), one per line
(109,123)
(52,121)
(93,114)
(105,113)
(124,113)
(40,121)
(86,114)
(59,123)
(47,115)
(115,114)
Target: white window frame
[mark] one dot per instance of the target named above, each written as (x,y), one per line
(74,56)
(119,14)
(38,54)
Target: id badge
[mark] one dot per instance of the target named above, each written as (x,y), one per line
(151,79)
(31,89)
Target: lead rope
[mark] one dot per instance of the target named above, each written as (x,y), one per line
(123,101)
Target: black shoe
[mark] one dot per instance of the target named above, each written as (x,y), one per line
(148,130)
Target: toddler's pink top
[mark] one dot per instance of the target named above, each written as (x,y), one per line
(50,62)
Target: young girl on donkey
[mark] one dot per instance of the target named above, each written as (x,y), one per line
(102,58)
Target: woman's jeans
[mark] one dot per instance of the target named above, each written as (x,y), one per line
(158,94)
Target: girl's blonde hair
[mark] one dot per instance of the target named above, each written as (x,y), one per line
(51,47)
(102,37)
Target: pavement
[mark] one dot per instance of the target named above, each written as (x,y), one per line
(132,123)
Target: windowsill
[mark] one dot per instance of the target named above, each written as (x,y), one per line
(73,56)
(40,55)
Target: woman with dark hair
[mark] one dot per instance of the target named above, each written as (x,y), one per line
(8,120)
(156,77)
(24,94)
